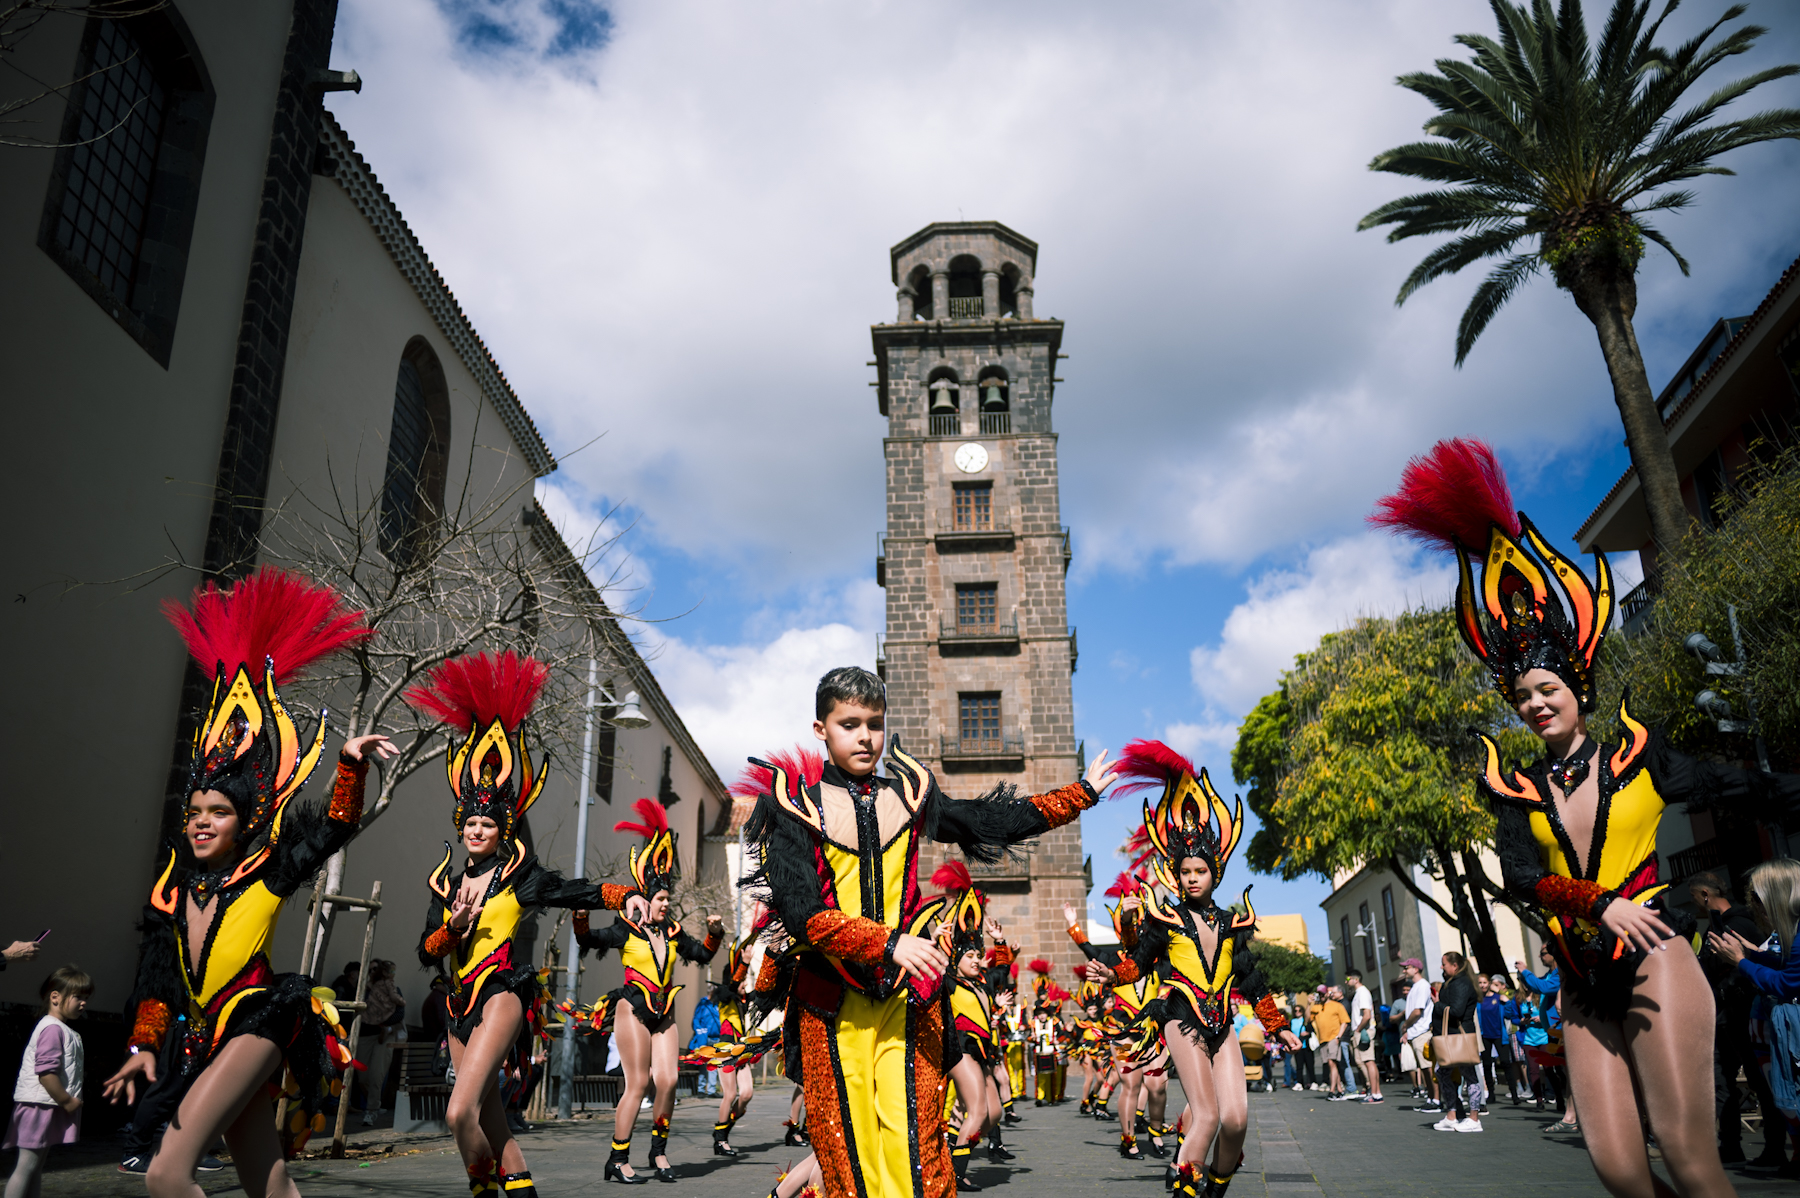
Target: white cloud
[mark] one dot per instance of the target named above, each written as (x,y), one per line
(679,239)
(1190,739)
(752,698)
(1289,610)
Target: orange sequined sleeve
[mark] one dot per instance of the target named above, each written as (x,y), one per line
(151,1025)
(1571,898)
(1269,1014)
(850,937)
(1077,935)
(1126,972)
(1064,804)
(347,791)
(440,942)
(1003,955)
(613,895)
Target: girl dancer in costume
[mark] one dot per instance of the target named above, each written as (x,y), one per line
(972,1052)
(214,1021)
(642,1011)
(1132,1029)
(1576,830)
(496,995)
(1202,952)
(840,862)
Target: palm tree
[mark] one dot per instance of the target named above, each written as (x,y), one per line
(1546,135)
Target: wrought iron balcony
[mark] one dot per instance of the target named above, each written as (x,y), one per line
(1708,854)
(965,307)
(973,635)
(1635,607)
(982,749)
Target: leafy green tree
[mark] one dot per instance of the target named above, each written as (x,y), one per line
(1257,761)
(1378,764)
(1546,135)
(1287,970)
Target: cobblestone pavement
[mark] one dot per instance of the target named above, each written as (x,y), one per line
(1299,1146)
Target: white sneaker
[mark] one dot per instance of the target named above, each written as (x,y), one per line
(1469,1125)
(1447,1123)
(1298,1086)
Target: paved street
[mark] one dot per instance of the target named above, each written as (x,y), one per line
(1299,1146)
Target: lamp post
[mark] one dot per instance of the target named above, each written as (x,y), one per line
(629,716)
(1368,931)
(1718,708)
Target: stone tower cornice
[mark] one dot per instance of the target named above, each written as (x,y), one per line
(964,229)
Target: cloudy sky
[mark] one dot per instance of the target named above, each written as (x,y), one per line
(670,222)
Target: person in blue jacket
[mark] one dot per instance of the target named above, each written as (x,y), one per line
(706,1031)
(1775,902)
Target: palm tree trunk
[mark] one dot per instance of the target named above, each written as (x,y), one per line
(1609,299)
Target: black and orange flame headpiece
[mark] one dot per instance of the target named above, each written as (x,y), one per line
(1189,820)
(654,867)
(1126,885)
(490,772)
(1456,498)
(258,634)
(964,911)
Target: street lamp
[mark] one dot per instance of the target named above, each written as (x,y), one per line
(1718,709)
(629,716)
(1368,931)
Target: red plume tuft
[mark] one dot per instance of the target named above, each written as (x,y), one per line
(1055,993)
(654,815)
(474,690)
(1150,763)
(1449,497)
(1038,965)
(756,781)
(1014,971)
(271,614)
(1125,884)
(952,877)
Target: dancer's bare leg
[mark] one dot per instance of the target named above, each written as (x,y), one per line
(798,1178)
(480,1136)
(1130,1082)
(1156,1095)
(1195,1068)
(1613,1129)
(1234,1104)
(992,1123)
(1674,1071)
(634,1057)
(665,1070)
(971,1091)
(727,1092)
(225,1099)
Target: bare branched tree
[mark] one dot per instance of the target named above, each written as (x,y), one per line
(19,19)
(486,574)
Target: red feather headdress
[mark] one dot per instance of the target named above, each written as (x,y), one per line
(655,866)
(754,781)
(965,908)
(1456,498)
(491,772)
(1189,819)
(249,639)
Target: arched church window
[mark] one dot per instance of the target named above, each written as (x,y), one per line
(920,282)
(412,490)
(1009,290)
(996,401)
(944,406)
(965,287)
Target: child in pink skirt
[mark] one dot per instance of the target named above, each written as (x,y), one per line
(47,1098)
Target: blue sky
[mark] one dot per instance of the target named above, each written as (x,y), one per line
(670,222)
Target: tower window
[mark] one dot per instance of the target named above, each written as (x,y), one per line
(965,288)
(1344,937)
(946,407)
(980,719)
(996,402)
(976,606)
(972,506)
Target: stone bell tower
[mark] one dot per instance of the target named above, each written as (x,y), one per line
(978,653)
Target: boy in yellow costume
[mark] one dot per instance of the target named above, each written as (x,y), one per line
(839,861)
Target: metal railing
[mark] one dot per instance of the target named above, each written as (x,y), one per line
(996,422)
(949,425)
(1008,744)
(954,630)
(1708,854)
(1068,553)
(965,307)
(1635,606)
(1074,651)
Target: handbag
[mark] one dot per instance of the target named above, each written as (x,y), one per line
(1460,1048)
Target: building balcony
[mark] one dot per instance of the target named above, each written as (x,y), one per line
(1708,854)
(1074,651)
(946,424)
(977,638)
(1068,553)
(881,560)
(1635,607)
(970,540)
(966,307)
(994,754)
(881,656)
(995,423)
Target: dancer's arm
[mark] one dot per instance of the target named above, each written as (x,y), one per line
(694,950)
(1152,947)
(157,994)
(308,835)
(542,887)
(1524,874)
(1249,979)
(611,937)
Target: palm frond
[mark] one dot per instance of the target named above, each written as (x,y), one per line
(1651,233)
(1489,298)
(1452,256)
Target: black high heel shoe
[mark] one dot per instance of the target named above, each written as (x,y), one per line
(615,1171)
(663,1173)
(1158,1151)
(796,1137)
(1129,1150)
(724,1148)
